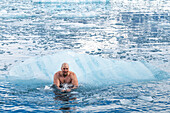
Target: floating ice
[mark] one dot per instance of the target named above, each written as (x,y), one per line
(125,102)
(89,69)
(146,98)
(47,88)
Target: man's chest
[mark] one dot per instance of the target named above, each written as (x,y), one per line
(65,79)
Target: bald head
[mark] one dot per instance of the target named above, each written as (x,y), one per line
(65,65)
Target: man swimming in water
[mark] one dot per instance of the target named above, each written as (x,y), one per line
(65,77)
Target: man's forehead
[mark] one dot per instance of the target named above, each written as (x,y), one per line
(65,65)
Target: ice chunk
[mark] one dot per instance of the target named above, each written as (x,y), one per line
(89,69)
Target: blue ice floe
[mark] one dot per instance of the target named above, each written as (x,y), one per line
(89,69)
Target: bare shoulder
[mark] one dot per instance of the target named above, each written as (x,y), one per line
(57,74)
(72,74)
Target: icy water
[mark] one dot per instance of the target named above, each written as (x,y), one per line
(121,49)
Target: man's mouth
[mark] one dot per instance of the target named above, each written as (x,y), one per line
(65,72)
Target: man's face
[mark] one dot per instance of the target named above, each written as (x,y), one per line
(65,69)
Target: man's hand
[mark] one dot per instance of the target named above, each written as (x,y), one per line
(68,90)
(74,87)
(62,90)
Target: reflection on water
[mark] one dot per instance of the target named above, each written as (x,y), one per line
(148,96)
(67,99)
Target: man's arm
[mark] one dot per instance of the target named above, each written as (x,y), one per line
(74,81)
(56,80)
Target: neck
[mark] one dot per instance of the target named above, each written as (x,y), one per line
(64,75)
